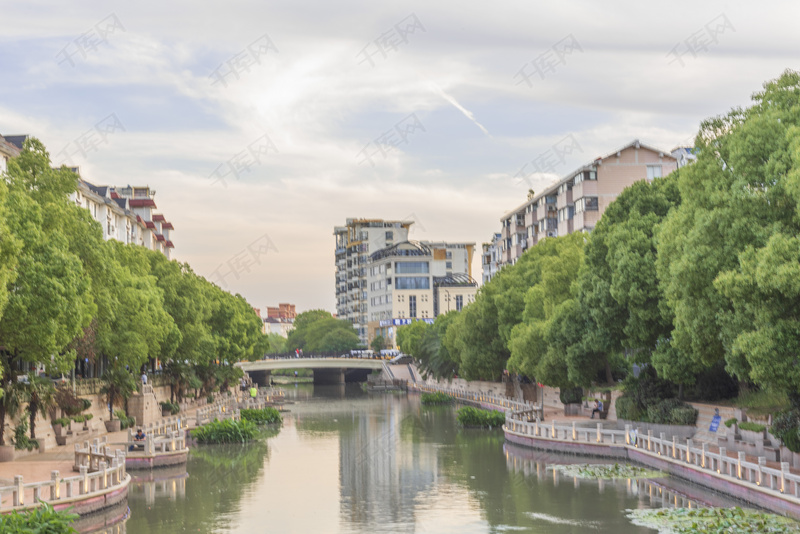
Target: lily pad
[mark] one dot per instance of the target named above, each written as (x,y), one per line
(607,471)
(711,521)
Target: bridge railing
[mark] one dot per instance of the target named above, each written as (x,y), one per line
(496,401)
(330,354)
(226,408)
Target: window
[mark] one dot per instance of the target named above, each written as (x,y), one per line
(389,235)
(411,267)
(653,171)
(459,302)
(586,204)
(412,306)
(449,254)
(412,282)
(448,265)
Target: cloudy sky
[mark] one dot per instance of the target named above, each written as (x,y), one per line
(262,125)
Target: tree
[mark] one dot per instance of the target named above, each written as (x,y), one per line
(319,331)
(378,344)
(118,385)
(40,395)
(409,337)
(741,191)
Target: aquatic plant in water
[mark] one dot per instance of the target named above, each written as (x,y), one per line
(607,471)
(711,520)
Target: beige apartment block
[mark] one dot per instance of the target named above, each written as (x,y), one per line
(577,201)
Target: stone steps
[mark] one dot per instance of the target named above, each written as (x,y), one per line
(704,416)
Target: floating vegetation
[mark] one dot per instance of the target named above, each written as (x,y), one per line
(437,398)
(607,471)
(476,417)
(711,520)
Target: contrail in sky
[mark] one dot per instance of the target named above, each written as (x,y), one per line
(467,113)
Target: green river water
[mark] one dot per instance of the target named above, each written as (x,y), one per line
(345,461)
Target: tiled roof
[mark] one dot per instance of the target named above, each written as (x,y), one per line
(158,217)
(167,226)
(160,237)
(170,245)
(16,140)
(150,224)
(121,202)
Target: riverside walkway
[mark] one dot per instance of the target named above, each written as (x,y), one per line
(772,485)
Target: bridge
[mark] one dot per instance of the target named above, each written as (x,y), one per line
(328,367)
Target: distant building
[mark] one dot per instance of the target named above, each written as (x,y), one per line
(10,147)
(416,281)
(126,214)
(354,243)
(490,257)
(576,202)
(274,325)
(282,311)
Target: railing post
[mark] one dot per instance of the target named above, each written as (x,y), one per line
(553,429)
(104,474)
(599,432)
(84,470)
(723,455)
(663,438)
(688,451)
(55,489)
(19,491)
(759,476)
(627,434)
(574,432)
(674,445)
(784,470)
(705,453)
(741,459)
(649,439)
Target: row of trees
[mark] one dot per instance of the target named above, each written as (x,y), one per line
(687,272)
(67,294)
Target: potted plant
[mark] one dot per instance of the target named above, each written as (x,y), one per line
(118,386)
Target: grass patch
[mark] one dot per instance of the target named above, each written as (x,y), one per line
(475,417)
(227,431)
(607,471)
(761,403)
(686,520)
(437,398)
(264,416)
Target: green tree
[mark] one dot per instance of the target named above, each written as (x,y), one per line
(378,344)
(319,331)
(118,385)
(40,395)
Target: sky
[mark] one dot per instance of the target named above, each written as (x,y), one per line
(263,125)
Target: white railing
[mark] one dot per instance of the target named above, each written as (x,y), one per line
(221,409)
(503,403)
(102,470)
(698,458)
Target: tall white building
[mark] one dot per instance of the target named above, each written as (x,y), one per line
(354,243)
(416,281)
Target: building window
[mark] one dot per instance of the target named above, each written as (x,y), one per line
(412,282)
(412,306)
(411,267)
(459,302)
(653,171)
(448,265)
(389,236)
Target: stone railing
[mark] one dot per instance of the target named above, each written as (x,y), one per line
(222,409)
(160,428)
(756,475)
(100,470)
(265,397)
(172,441)
(501,403)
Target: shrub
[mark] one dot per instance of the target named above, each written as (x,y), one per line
(571,395)
(78,418)
(671,412)
(265,416)
(21,440)
(172,407)
(227,431)
(786,427)
(124,420)
(210,399)
(437,398)
(469,416)
(753,427)
(683,415)
(627,409)
(63,421)
(86,404)
(88,416)
(42,519)
(730,422)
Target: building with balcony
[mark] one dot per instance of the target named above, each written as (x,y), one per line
(416,281)
(577,201)
(490,257)
(354,243)
(126,214)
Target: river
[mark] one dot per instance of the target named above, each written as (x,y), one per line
(345,461)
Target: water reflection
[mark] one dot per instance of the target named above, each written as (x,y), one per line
(110,521)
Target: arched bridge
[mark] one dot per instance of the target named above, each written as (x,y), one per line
(328,367)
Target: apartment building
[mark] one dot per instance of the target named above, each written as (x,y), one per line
(416,281)
(354,243)
(126,214)
(577,201)
(490,257)
(10,147)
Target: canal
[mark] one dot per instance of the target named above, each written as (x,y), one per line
(346,461)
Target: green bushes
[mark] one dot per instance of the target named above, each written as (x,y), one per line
(650,399)
(752,427)
(437,398)
(628,409)
(227,431)
(671,412)
(124,420)
(172,407)
(786,427)
(469,416)
(730,422)
(43,519)
(63,421)
(210,399)
(265,416)
(21,440)
(571,395)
